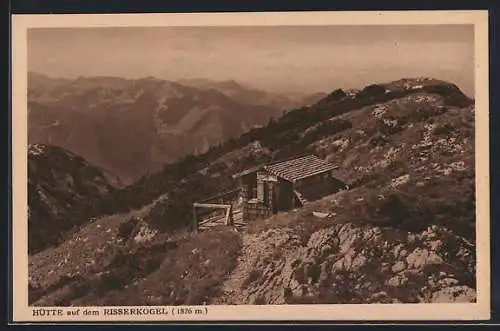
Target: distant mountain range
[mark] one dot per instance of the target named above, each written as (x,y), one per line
(134,127)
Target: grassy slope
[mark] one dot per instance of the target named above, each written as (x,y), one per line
(103,265)
(63,191)
(418,128)
(371,152)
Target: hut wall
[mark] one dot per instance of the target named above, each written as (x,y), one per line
(284,195)
(315,187)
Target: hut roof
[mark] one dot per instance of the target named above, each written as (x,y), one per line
(294,169)
(300,168)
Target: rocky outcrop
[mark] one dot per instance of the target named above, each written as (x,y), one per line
(345,263)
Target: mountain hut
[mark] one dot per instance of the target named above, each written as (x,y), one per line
(285,185)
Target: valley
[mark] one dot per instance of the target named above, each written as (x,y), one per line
(133,127)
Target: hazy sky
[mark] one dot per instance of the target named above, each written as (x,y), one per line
(307,59)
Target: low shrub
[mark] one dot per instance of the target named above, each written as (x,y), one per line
(126,228)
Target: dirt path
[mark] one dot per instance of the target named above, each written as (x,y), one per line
(232,292)
(255,247)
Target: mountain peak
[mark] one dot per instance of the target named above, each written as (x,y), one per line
(230,83)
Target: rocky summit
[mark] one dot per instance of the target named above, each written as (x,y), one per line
(402,232)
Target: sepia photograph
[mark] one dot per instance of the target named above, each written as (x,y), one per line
(321,162)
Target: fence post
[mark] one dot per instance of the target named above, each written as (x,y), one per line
(230,217)
(195,220)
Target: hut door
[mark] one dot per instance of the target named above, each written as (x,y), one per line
(275,200)
(266,193)
(285,196)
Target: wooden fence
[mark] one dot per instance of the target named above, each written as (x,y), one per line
(220,202)
(228,218)
(224,197)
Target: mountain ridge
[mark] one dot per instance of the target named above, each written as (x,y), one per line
(132,127)
(406,149)
(62,186)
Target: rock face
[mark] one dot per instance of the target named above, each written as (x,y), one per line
(345,263)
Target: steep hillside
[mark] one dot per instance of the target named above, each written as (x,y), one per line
(416,127)
(403,232)
(63,189)
(133,127)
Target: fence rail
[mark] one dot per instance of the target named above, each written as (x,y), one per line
(228,215)
(232,193)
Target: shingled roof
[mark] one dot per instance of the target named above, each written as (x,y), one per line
(299,168)
(294,169)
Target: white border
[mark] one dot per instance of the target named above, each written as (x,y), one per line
(479,310)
